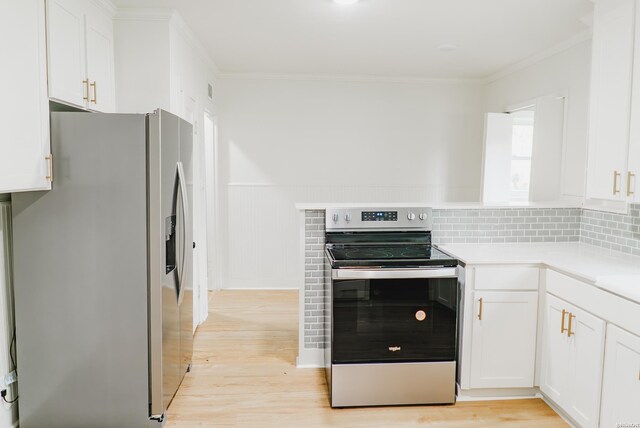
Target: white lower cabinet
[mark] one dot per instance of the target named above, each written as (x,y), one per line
(621,381)
(572,360)
(504,339)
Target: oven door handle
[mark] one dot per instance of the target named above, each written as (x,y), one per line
(394,273)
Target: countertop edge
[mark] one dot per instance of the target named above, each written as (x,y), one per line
(314,206)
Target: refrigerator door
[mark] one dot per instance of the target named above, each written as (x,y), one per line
(164,253)
(186,284)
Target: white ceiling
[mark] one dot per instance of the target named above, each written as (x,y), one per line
(393,38)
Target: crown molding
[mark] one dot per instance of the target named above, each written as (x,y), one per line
(540,56)
(106,5)
(141,14)
(348,78)
(181,26)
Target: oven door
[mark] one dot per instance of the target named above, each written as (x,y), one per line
(389,315)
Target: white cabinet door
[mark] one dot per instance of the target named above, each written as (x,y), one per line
(621,382)
(610,104)
(67,63)
(633,173)
(586,338)
(573,350)
(24,111)
(556,352)
(99,39)
(504,339)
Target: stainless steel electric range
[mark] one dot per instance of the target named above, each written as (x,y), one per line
(391,325)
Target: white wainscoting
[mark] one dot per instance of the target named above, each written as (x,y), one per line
(263,231)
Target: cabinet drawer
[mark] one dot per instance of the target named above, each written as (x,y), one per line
(601,303)
(506,278)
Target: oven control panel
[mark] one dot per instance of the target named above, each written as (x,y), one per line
(417,218)
(379,215)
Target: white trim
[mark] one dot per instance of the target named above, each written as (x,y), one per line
(310,359)
(141,14)
(350,78)
(261,284)
(565,417)
(181,26)
(106,5)
(536,58)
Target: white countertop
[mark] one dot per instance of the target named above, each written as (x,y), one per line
(611,271)
(303,206)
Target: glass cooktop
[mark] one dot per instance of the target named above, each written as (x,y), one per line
(388,256)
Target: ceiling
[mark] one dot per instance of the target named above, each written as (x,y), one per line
(391,38)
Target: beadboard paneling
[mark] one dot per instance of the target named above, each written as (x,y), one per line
(263,231)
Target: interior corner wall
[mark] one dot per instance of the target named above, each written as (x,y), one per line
(284,141)
(568,70)
(142,67)
(8,413)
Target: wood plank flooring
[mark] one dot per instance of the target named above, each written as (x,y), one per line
(244,375)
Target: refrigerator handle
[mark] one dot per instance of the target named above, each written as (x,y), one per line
(186,225)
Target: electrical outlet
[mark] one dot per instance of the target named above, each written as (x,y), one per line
(11,378)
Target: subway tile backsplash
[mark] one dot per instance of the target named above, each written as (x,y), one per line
(509,225)
(313,279)
(616,232)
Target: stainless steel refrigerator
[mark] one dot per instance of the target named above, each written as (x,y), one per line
(103,273)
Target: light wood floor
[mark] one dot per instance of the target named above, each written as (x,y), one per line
(244,375)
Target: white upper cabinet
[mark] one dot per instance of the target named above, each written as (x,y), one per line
(631,179)
(24,111)
(80,42)
(610,106)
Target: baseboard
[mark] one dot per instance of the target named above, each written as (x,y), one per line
(559,411)
(264,284)
(497,394)
(310,359)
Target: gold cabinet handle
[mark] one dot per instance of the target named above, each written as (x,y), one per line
(94,85)
(630,175)
(569,332)
(480,309)
(86,90)
(616,174)
(562,328)
(50,159)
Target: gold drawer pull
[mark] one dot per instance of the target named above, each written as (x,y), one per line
(94,85)
(86,90)
(50,159)
(569,332)
(562,328)
(630,175)
(616,174)
(480,309)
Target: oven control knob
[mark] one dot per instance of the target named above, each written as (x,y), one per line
(336,217)
(347,217)
(423,216)
(411,216)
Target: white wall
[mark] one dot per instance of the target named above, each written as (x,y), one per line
(568,70)
(160,64)
(8,414)
(142,69)
(287,141)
